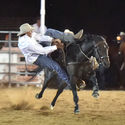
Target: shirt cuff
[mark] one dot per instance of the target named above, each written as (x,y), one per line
(54,47)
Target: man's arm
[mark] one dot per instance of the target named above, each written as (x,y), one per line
(37,48)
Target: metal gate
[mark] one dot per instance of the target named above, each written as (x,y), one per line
(9,52)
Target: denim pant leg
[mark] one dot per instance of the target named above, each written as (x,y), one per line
(44,61)
(65,37)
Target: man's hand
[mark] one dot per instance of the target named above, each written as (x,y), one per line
(58,43)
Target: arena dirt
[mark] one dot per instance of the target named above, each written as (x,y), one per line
(19,106)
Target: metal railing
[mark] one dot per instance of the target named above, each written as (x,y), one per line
(9,63)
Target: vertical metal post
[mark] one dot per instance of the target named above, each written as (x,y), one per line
(42,19)
(9,43)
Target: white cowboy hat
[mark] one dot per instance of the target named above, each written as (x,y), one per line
(122,33)
(24,28)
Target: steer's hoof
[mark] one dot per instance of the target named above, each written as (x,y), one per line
(37,96)
(95,95)
(76,111)
(51,107)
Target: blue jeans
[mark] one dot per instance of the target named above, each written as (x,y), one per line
(47,62)
(65,37)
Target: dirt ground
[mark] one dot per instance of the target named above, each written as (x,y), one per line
(19,107)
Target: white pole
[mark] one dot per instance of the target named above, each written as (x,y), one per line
(42,12)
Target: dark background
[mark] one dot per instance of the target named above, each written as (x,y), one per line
(103,17)
(94,16)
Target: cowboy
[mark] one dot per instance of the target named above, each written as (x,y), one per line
(36,54)
(66,36)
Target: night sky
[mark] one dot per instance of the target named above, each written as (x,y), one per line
(94,16)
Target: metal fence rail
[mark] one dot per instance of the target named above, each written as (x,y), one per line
(9,52)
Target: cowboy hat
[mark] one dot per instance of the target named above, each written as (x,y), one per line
(122,33)
(24,28)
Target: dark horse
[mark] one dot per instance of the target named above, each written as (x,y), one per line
(79,68)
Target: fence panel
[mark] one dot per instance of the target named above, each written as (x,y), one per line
(12,62)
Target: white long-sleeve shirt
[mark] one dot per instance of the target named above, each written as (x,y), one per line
(31,49)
